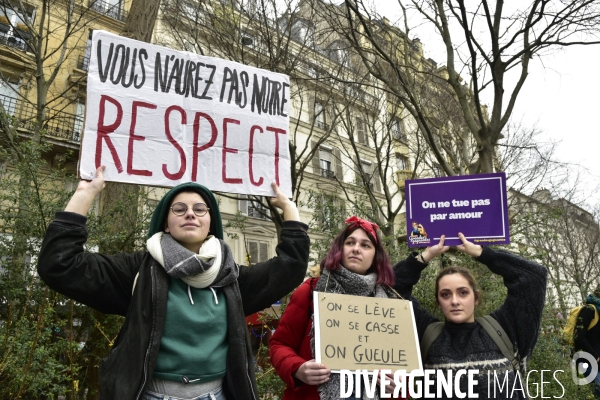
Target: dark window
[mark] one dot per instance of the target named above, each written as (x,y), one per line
(303,31)
(253,209)
(338,52)
(326,164)
(402,162)
(320,117)
(361,131)
(397,129)
(258,251)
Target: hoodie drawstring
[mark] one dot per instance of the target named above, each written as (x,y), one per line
(190,295)
(192,301)
(215,294)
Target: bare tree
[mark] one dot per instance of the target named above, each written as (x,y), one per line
(45,41)
(141,19)
(370,147)
(340,115)
(274,35)
(566,238)
(490,42)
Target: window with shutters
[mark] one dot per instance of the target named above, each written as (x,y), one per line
(402,162)
(368,175)
(320,116)
(361,131)
(365,167)
(253,209)
(397,129)
(327,161)
(326,164)
(258,251)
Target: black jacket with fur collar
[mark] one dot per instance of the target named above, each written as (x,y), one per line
(105,282)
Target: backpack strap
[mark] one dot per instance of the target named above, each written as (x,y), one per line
(500,338)
(489,325)
(432,331)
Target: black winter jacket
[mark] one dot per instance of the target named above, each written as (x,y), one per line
(105,283)
(467,345)
(587,340)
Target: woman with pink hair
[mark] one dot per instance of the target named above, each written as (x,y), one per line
(357,265)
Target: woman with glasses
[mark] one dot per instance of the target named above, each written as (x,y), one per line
(184,299)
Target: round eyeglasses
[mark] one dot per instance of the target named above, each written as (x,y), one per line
(199,209)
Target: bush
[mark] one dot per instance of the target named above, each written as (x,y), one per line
(551,354)
(50,346)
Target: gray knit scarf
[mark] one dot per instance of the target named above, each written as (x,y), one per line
(184,264)
(346,282)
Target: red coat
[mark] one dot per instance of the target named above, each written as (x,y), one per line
(289,346)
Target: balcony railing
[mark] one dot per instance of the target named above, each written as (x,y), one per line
(327,173)
(114,11)
(257,212)
(322,125)
(60,125)
(14,40)
(402,176)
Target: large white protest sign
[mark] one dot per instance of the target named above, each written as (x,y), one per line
(157,116)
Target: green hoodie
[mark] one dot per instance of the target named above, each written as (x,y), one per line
(194,342)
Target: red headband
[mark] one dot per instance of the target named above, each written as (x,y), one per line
(367,226)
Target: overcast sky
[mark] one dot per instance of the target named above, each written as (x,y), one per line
(560,98)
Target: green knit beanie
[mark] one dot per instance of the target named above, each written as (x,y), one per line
(157,223)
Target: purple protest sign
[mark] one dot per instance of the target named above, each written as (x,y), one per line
(474,205)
